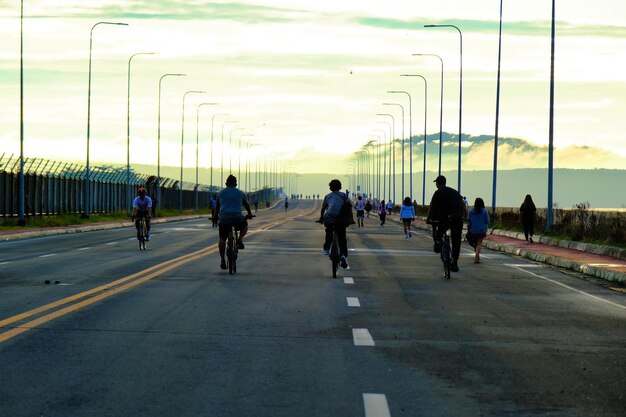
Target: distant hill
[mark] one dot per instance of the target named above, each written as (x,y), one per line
(602,188)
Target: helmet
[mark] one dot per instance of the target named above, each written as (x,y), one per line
(142,190)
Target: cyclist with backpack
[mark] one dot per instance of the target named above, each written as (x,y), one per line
(335,216)
(447,211)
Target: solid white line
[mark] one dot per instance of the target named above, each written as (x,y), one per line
(48,255)
(353,302)
(84,248)
(571,288)
(348,280)
(362,337)
(376,405)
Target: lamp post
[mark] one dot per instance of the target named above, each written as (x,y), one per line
(239,153)
(393,135)
(182,143)
(250,145)
(197,140)
(460,90)
(87,172)
(384,167)
(410,144)
(495,142)
(230,148)
(128,185)
(440,109)
(425,118)
(384,139)
(22,215)
(549,217)
(222,149)
(394,179)
(212,122)
(158,179)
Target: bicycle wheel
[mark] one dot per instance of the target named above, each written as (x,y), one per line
(334,255)
(230,252)
(142,234)
(445,257)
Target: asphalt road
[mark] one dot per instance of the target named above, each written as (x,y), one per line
(165,332)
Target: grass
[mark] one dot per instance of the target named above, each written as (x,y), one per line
(37,222)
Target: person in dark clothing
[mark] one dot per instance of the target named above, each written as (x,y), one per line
(527,214)
(447,210)
(330,217)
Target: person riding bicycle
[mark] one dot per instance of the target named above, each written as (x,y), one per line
(228,207)
(447,210)
(142,207)
(330,217)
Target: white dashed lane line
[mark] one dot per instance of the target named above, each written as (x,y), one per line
(87,248)
(4,263)
(362,337)
(110,243)
(348,280)
(48,255)
(376,405)
(353,302)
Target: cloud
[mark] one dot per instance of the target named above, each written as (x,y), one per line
(523,28)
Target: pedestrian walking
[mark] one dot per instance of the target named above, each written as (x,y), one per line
(368,209)
(477,224)
(382,212)
(407,215)
(360,211)
(528,214)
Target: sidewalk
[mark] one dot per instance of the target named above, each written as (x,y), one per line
(605,262)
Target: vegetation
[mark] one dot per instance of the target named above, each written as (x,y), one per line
(36,222)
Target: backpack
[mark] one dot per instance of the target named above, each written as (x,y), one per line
(345,217)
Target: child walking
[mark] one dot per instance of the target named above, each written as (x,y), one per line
(407,215)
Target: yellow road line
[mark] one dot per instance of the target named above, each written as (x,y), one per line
(115,286)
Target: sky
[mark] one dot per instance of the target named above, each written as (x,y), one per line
(303,81)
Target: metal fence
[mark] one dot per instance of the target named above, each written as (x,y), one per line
(52,187)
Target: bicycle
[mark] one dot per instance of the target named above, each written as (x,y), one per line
(333,252)
(446,249)
(232,250)
(142,231)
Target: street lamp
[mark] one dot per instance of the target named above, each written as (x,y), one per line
(440,108)
(222,149)
(390,142)
(393,136)
(250,144)
(182,143)
(460,90)
(158,179)
(230,148)
(384,167)
(551,128)
(239,153)
(86,212)
(22,215)
(495,142)
(197,139)
(128,186)
(410,144)
(212,122)
(394,170)
(425,118)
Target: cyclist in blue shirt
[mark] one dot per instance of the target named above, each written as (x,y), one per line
(228,206)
